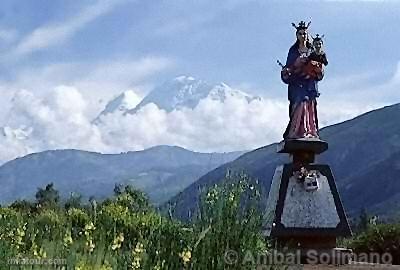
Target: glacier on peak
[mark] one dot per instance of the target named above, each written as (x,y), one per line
(186,92)
(124,102)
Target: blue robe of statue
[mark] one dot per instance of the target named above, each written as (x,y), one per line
(299,88)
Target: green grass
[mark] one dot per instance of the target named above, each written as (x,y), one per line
(125,232)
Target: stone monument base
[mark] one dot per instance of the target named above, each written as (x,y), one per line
(305,209)
(304,212)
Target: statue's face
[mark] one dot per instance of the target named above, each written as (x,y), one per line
(318,44)
(302,35)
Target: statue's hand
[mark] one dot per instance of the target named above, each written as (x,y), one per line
(286,72)
(319,71)
(316,63)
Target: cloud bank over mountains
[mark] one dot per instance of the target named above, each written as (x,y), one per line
(53,122)
(197,115)
(60,120)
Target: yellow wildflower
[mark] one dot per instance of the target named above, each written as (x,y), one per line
(67,238)
(137,255)
(186,256)
(139,248)
(136,263)
(90,245)
(89,227)
(34,249)
(117,242)
(42,253)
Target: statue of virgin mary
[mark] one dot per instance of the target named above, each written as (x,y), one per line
(302,75)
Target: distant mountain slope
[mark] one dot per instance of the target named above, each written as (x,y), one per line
(160,171)
(363,153)
(378,187)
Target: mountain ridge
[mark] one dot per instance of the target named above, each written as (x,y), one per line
(91,173)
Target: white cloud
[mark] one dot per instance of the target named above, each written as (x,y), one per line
(211,126)
(365,89)
(57,33)
(55,122)
(97,81)
(60,119)
(236,125)
(344,97)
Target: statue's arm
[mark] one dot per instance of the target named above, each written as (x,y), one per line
(325,59)
(287,75)
(320,73)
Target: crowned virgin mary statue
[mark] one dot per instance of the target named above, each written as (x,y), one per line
(301,73)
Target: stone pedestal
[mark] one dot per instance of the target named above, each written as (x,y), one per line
(304,210)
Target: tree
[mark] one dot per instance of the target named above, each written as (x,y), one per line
(118,189)
(363,220)
(134,199)
(47,197)
(74,201)
(22,206)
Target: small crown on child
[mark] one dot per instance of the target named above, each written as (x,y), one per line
(302,25)
(318,38)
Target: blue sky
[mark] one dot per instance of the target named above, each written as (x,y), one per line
(103,48)
(233,41)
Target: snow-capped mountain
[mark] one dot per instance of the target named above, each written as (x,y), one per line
(187,92)
(124,102)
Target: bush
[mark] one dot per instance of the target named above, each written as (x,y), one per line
(23,206)
(229,221)
(382,238)
(78,219)
(12,232)
(50,224)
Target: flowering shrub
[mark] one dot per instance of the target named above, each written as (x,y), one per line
(229,220)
